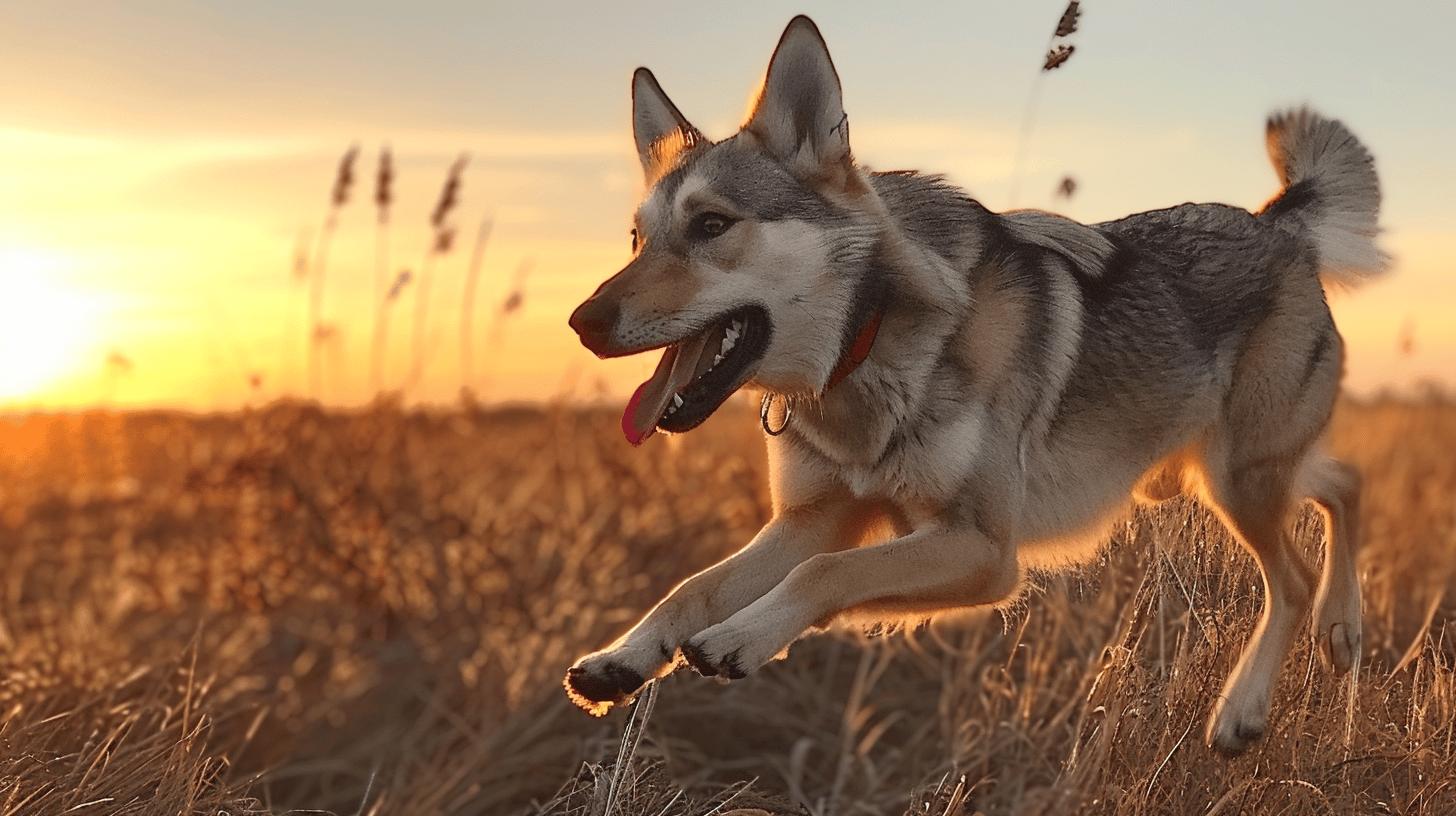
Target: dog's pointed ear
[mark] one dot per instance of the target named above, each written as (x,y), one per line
(659,128)
(799,115)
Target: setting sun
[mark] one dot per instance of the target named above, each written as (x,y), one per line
(45,328)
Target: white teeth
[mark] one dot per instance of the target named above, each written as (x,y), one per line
(730,339)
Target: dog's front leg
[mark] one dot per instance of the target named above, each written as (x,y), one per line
(649,649)
(929,570)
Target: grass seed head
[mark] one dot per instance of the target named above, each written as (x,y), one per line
(400,282)
(1067,25)
(1057,57)
(384,183)
(344,180)
(449,194)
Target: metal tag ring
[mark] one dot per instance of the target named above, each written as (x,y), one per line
(764,408)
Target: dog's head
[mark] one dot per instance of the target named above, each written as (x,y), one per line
(748,253)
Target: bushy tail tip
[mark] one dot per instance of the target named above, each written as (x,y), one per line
(1331,192)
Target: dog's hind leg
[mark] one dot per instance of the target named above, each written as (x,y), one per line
(1254,501)
(1282,389)
(1335,487)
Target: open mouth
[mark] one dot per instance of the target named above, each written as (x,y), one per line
(697,374)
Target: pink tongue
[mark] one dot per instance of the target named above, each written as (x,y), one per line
(650,400)
(634,434)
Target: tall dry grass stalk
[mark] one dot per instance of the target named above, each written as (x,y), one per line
(386,309)
(343,183)
(116,368)
(515,298)
(511,304)
(467,307)
(1058,52)
(383,199)
(294,340)
(442,232)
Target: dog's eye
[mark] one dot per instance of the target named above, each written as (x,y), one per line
(711,225)
(634,239)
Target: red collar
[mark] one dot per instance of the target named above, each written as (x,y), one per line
(864,341)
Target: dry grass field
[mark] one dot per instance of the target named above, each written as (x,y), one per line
(286,610)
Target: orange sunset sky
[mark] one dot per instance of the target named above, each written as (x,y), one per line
(159,162)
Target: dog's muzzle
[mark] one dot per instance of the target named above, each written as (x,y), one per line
(593,322)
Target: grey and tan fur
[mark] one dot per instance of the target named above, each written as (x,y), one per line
(1029,376)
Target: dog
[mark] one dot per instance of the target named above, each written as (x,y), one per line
(989,390)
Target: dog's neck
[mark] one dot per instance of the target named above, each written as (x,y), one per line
(922,299)
(861,343)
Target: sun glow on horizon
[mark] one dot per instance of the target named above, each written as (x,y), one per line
(46,328)
(163,208)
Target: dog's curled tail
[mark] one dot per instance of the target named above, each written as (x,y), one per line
(1331,193)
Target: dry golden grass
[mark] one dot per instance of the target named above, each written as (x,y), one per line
(371,613)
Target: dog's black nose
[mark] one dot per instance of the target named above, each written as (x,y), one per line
(593,322)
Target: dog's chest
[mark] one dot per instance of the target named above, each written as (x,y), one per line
(927,461)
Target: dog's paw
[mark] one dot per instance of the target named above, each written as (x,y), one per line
(731,650)
(704,662)
(1236,725)
(598,682)
(1336,630)
(1339,645)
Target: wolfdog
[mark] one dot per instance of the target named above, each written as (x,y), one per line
(986,391)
